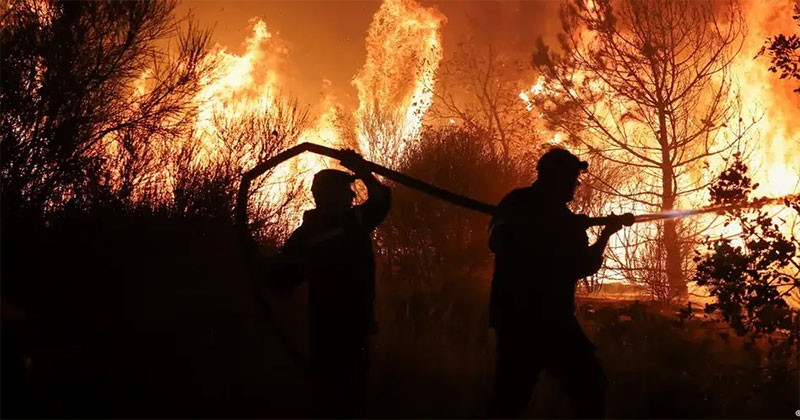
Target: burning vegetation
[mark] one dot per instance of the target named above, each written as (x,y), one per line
(121,118)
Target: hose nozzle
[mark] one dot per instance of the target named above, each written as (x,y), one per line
(626,219)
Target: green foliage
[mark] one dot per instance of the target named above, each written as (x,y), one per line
(751,275)
(784,53)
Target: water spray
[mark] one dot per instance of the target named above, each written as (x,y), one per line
(678,214)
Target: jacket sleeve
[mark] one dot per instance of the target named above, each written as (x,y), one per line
(293,247)
(379,200)
(502,226)
(583,260)
(588,263)
(499,234)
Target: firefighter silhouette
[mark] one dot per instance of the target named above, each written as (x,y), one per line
(332,250)
(541,251)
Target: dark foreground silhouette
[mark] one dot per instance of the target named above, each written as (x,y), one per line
(332,251)
(542,251)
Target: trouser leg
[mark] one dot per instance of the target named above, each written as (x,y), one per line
(586,387)
(342,380)
(516,373)
(581,373)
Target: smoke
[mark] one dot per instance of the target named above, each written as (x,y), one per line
(513,24)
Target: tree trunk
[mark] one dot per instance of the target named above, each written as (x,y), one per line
(677,286)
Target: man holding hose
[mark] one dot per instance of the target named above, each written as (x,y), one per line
(541,251)
(332,250)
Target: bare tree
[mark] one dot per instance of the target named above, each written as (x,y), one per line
(479,87)
(385,128)
(646,86)
(69,69)
(206,171)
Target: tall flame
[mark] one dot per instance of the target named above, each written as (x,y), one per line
(238,85)
(247,85)
(775,162)
(395,85)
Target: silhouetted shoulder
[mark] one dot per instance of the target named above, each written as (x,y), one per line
(509,213)
(516,197)
(518,202)
(296,243)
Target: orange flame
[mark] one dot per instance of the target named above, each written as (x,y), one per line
(238,85)
(775,164)
(395,85)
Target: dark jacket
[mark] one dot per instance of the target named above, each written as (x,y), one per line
(334,254)
(541,251)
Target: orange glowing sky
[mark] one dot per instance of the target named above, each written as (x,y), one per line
(325,38)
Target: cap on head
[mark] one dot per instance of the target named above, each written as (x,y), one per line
(331,179)
(558,161)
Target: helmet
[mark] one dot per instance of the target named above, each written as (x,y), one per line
(558,161)
(331,179)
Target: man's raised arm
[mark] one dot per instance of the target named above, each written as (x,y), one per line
(379,197)
(378,203)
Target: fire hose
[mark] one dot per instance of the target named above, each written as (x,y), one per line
(626,219)
(440,193)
